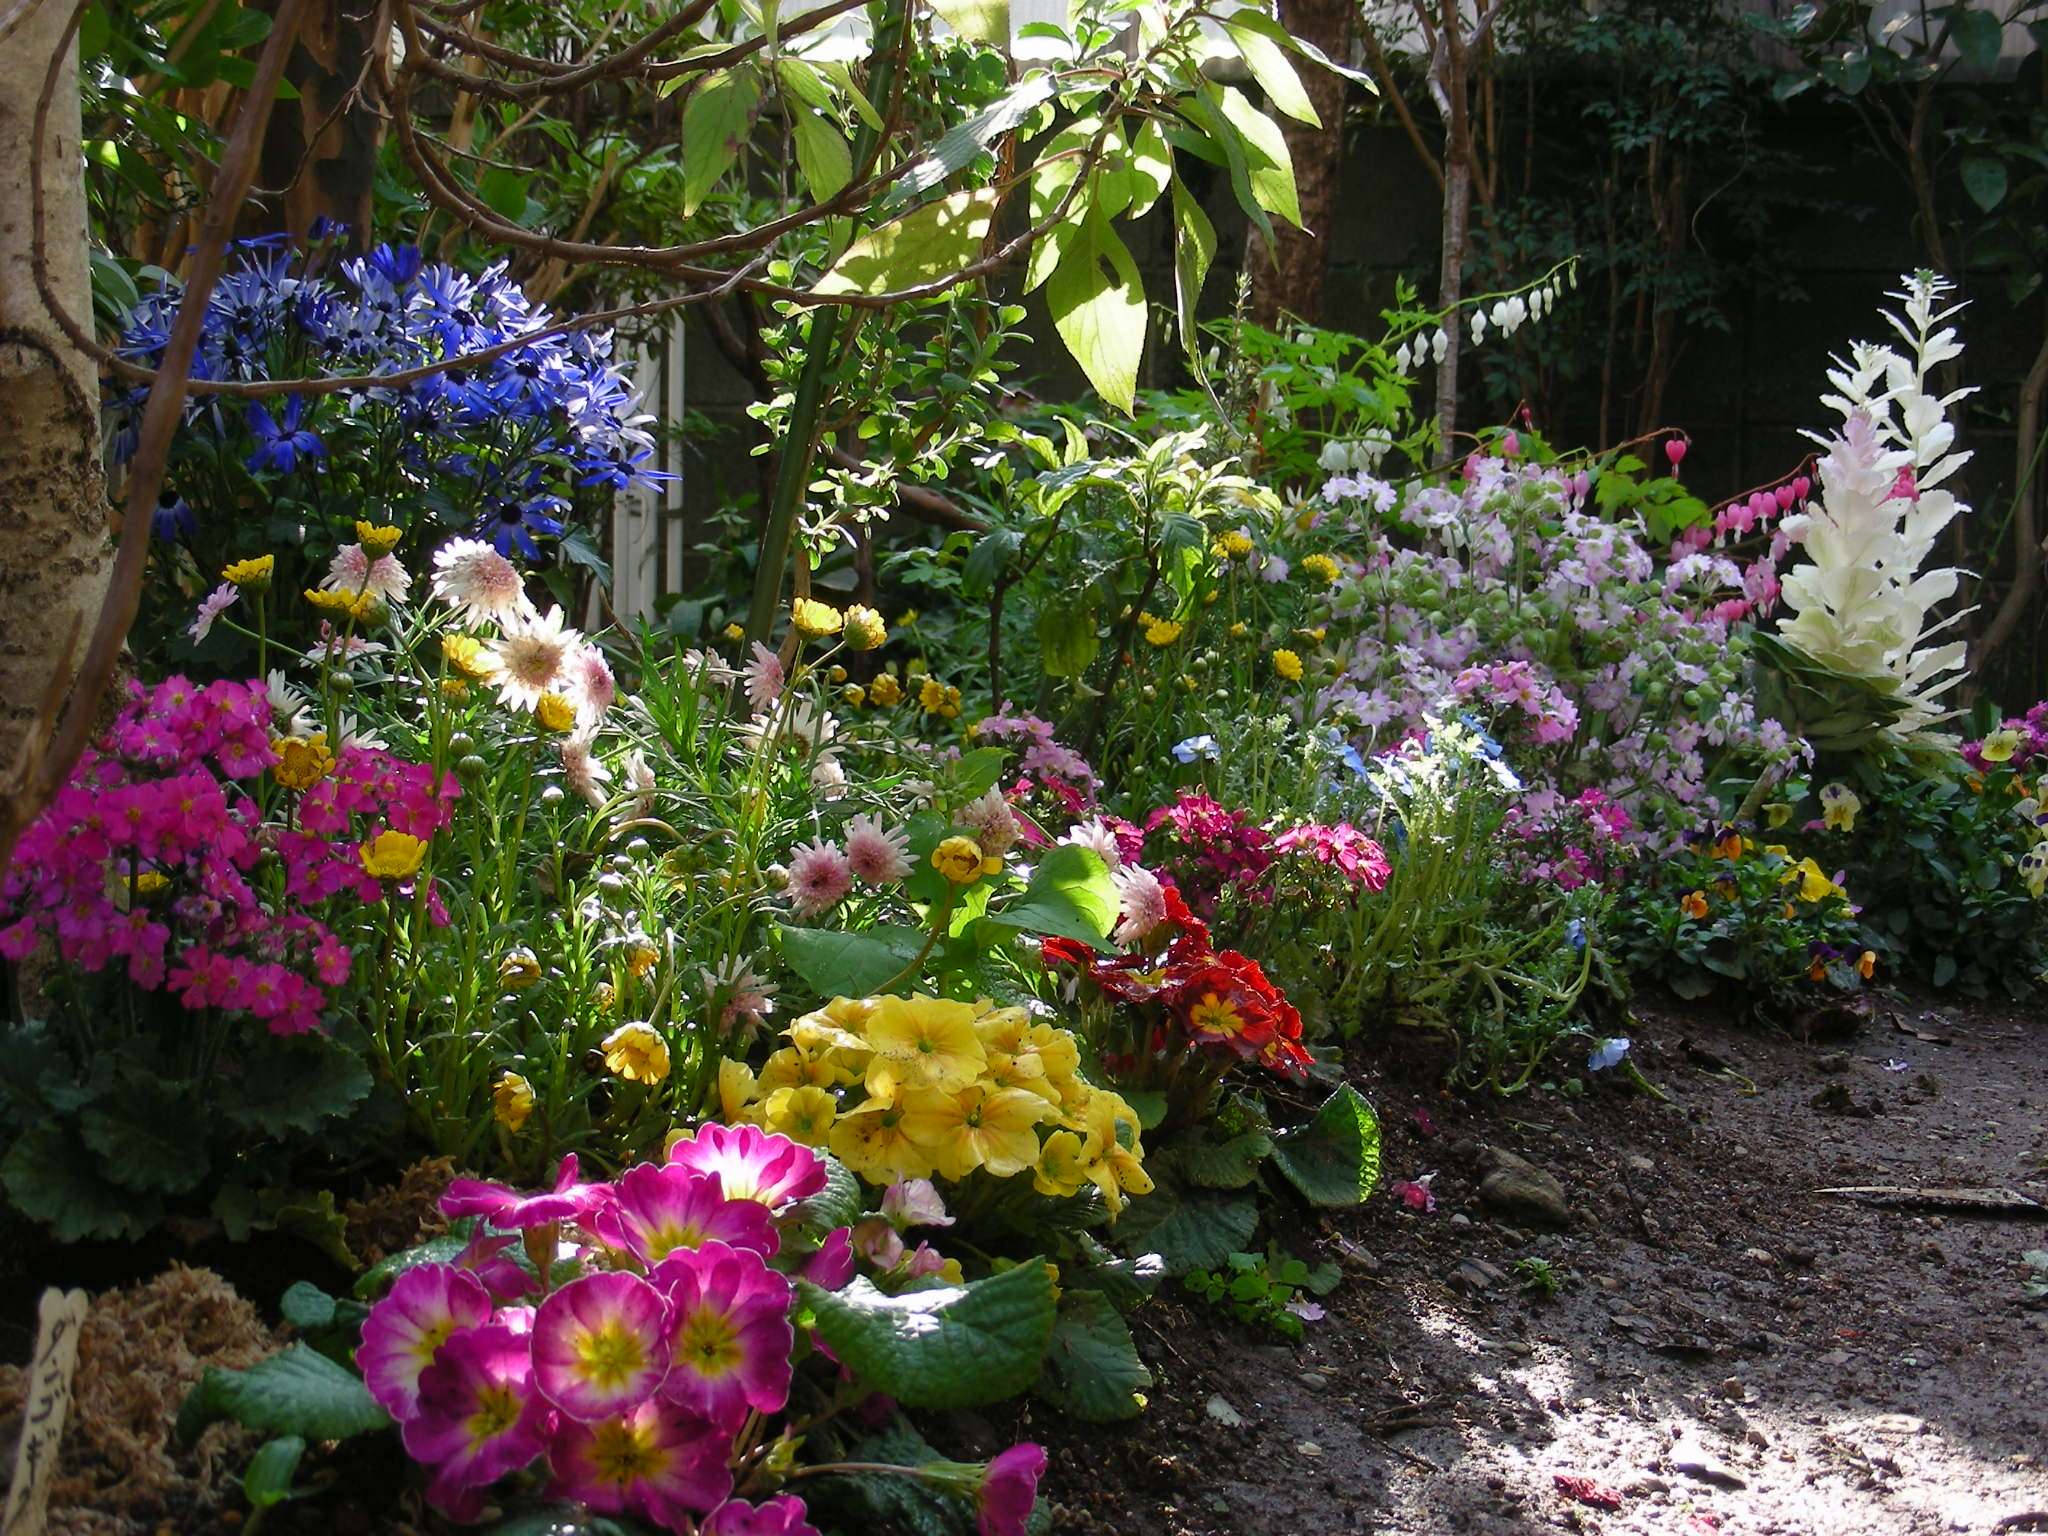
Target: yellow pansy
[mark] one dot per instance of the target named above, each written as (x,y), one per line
(1838,807)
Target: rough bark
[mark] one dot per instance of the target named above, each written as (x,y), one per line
(320,155)
(2029,549)
(1291,281)
(54,547)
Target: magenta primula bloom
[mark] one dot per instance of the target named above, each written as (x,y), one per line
(479,1416)
(1010,1490)
(752,1164)
(730,1334)
(655,1210)
(510,1210)
(782,1516)
(486,1258)
(832,1265)
(600,1345)
(652,1461)
(426,1305)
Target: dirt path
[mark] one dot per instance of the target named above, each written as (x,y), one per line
(1731,1352)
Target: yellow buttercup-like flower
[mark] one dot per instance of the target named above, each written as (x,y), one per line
(554,713)
(393,855)
(640,959)
(1160,631)
(922,1042)
(801,1114)
(349,605)
(734,632)
(1239,630)
(976,1127)
(636,1052)
(1234,545)
(885,691)
(1322,567)
(959,859)
(511,1100)
(377,539)
(151,882)
(302,761)
(251,575)
(866,630)
(853,695)
(1287,664)
(814,620)
(519,970)
(466,654)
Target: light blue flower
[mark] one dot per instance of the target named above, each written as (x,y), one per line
(1575,935)
(1607,1053)
(1196,747)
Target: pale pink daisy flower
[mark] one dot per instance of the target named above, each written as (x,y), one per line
(877,856)
(581,769)
(1141,903)
(336,647)
(531,658)
(640,780)
(211,607)
(479,583)
(590,684)
(1096,836)
(354,572)
(989,819)
(765,678)
(819,876)
(748,999)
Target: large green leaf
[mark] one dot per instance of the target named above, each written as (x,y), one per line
(978,21)
(1979,35)
(1194,248)
(268,1481)
(1269,167)
(1098,307)
(927,245)
(1334,1160)
(1228,1164)
(1070,894)
(963,143)
(296,1085)
(836,963)
(822,153)
(1269,65)
(1067,640)
(299,1392)
(1188,1231)
(715,124)
(52,1179)
(148,1134)
(951,1347)
(1092,1369)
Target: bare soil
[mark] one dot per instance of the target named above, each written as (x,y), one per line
(1731,1350)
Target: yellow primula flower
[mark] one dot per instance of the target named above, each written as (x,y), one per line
(1115,1166)
(377,539)
(1287,664)
(1322,567)
(923,1042)
(393,855)
(871,1141)
(814,620)
(866,630)
(737,1091)
(554,713)
(801,1114)
(636,1052)
(1062,1168)
(252,575)
(302,761)
(976,1127)
(959,859)
(789,1068)
(511,1100)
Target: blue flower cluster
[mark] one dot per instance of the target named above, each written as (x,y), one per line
(506,441)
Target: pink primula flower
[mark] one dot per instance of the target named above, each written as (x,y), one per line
(832,1265)
(600,1345)
(752,1164)
(731,1334)
(781,1516)
(509,1210)
(656,1210)
(407,1328)
(1009,1491)
(651,1461)
(479,1417)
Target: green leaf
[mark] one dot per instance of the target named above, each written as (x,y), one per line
(838,1204)
(51,1178)
(1067,641)
(1070,895)
(836,963)
(306,1307)
(715,124)
(268,1481)
(1151,167)
(1269,167)
(503,191)
(926,246)
(950,1347)
(1194,248)
(1334,1160)
(148,1134)
(964,142)
(444,1249)
(1984,179)
(1092,1369)
(822,153)
(887,1501)
(1268,64)
(804,83)
(978,21)
(300,1392)
(1978,36)
(296,1084)
(1100,314)
(562,1520)
(1187,1231)
(1228,1164)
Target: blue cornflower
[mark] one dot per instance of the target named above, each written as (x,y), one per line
(173,518)
(514,523)
(398,265)
(280,440)
(1607,1053)
(1487,744)
(1203,747)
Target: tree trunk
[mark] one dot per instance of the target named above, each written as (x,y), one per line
(1450,290)
(54,550)
(2029,549)
(1291,280)
(321,151)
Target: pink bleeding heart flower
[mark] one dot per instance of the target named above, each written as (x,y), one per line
(1785,496)
(1414,1194)
(1009,1491)
(1802,487)
(656,1209)
(479,1416)
(832,1265)
(1674,450)
(730,1336)
(600,1345)
(403,1332)
(752,1164)
(510,1209)
(783,1516)
(652,1461)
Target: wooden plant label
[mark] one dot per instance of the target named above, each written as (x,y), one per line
(60,1317)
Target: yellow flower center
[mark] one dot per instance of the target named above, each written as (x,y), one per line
(623,1455)
(710,1343)
(610,1356)
(497,1410)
